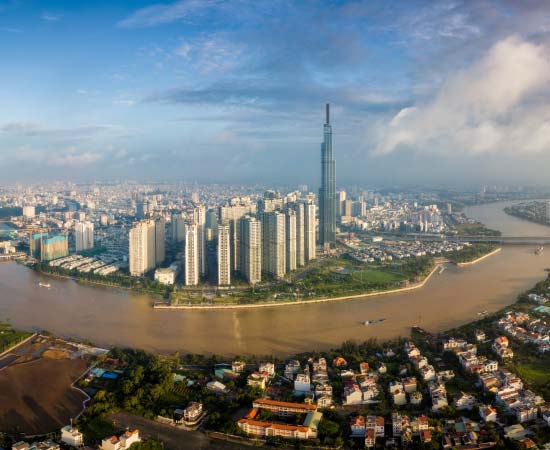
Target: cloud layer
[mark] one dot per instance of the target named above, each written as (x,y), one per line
(498,104)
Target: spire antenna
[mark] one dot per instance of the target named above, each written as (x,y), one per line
(328,114)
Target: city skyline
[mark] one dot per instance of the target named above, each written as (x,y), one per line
(202,91)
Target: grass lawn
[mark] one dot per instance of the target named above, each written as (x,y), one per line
(377,276)
(9,337)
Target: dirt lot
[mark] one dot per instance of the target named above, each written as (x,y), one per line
(36,397)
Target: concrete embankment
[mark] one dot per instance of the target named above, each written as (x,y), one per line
(481,258)
(300,302)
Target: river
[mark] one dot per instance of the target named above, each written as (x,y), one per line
(109,316)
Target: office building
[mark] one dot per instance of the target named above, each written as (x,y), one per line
(274,244)
(310,240)
(224,256)
(291,241)
(191,255)
(84,236)
(251,249)
(327,192)
(141,243)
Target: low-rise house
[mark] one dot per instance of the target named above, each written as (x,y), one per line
(488,413)
(399,398)
(257,379)
(376,423)
(339,362)
(428,373)
(357,425)
(399,422)
(464,401)
(546,417)
(238,366)
(292,368)
(419,424)
(480,335)
(353,394)
(445,375)
(409,385)
(453,343)
(302,383)
(216,386)
(364,368)
(268,367)
(370,438)
(71,436)
(416,398)
(192,413)
(526,413)
(39,445)
(122,442)
(324,401)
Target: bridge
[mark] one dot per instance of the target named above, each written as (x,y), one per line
(504,240)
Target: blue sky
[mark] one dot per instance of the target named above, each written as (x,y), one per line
(209,90)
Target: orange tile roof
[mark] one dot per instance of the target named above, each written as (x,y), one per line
(269,402)
(275,425)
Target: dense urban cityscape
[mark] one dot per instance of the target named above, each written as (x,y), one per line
(321,226)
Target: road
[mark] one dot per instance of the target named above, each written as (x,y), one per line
(173,438)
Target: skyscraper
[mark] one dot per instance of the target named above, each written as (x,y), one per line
(200,219)
(191,255)
(309,231)
(291,243)
(54,247)
(299,208)
(160,240)
(274,244)
(251,249)
(224,256)
(327,192)
(84,236)
(142,253)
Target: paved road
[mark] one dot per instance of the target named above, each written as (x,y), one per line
(173,438)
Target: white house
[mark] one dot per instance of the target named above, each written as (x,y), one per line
(488,413)
(71,436)
(302,383)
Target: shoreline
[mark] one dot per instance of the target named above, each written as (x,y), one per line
(164,306)
(159,305)
(481,258)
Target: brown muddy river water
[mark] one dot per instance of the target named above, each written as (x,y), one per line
(116,317)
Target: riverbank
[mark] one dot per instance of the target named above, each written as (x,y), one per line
(481,258)
(299,302)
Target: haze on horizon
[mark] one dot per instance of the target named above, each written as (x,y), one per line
(233,91)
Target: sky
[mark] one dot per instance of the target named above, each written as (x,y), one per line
(446,92)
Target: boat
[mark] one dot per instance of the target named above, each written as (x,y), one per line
(539,250)
(46,285)
(372,322)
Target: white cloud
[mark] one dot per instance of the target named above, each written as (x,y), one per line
(498,104)
(49,17)
(162,13)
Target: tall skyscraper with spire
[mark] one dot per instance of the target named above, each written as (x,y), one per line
(327,192)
